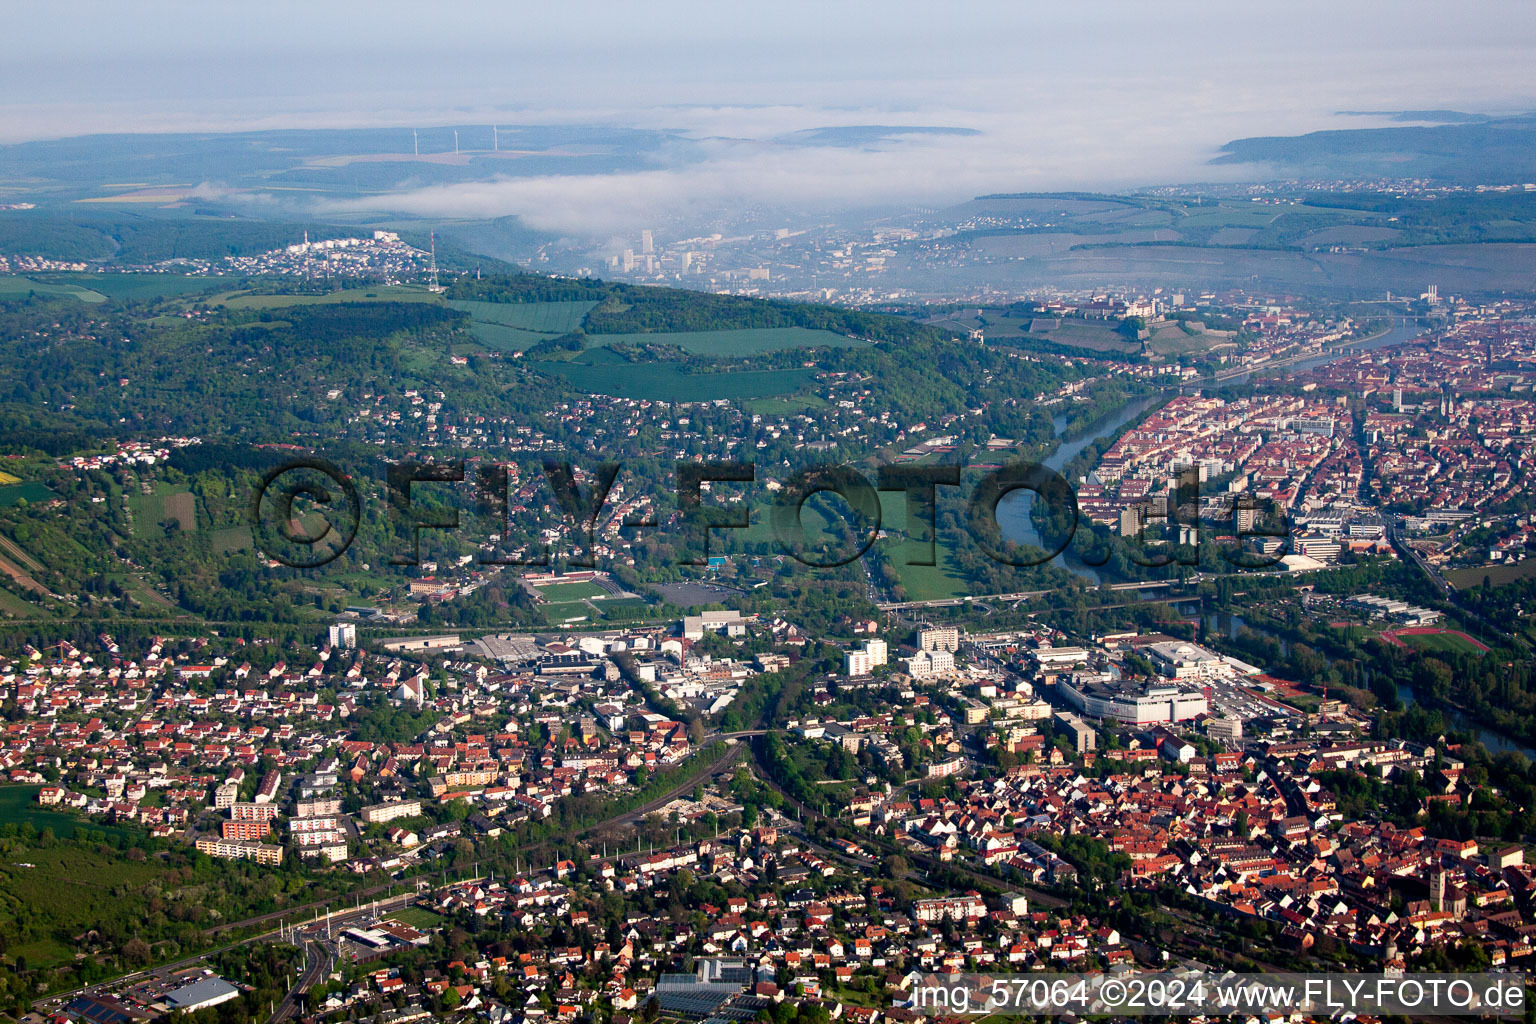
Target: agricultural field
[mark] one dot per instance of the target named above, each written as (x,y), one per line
(29,491)
(136,287)
(1496,575)
(378,293)
(737,343)
(595,374)
(539,317)
(12,606)
(501,338)
(168,502)
(518,326)
(20,287)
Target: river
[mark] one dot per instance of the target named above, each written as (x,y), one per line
(1013,512)
(1496,742)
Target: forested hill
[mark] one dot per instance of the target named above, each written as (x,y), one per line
(88,357)
(631,309)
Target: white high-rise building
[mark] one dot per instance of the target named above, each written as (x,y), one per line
(939,638)
(647,244)
(343,635)
(862,662)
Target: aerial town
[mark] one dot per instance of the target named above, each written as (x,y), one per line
(409,617)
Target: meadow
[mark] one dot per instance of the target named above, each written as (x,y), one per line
(378,293)
(139,286)
(501,338)
(18,805)
(20,287)
(29,491)
(540,317)
(737,343)
(1496,575)
(168,502)
(16,607)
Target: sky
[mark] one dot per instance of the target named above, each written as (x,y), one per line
(1095,94)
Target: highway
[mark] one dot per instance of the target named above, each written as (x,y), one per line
(1021,595)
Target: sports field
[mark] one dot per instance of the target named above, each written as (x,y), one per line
(1433,639)
(557,593)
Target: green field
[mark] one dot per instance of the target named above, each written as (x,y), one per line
(29,491)
(566,611)
(783,406)
(921,582)
(419,918)
(1497,575)
(518,326)
(597,374)
(234,538)
(747,342)
(19,804)
(11,605)
(64,888)
(168,502)
(139,286)
(20,287)
(539,317)
(502,338)
(559,593)
(381,293)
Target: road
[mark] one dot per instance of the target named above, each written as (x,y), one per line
(317,964)
(1022,595)
(1437,579)
(337,919)
(807,813)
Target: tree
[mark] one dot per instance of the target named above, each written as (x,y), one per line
(136,951)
